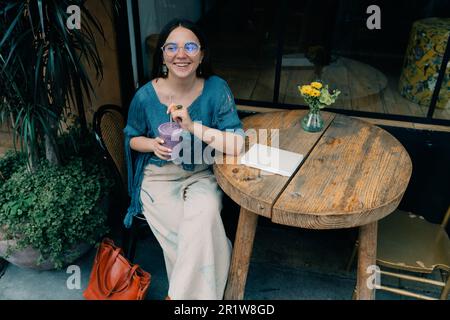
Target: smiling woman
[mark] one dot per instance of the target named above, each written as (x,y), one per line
(184,62)
(195,49)
(182,201)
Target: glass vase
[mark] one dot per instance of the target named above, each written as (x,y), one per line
(313,121)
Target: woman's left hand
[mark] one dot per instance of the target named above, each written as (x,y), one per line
(181,116)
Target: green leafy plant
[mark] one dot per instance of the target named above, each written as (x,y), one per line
(9,164)
(58,207)
(43,70)
(51,194)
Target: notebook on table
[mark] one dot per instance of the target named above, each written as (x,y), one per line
(271,159)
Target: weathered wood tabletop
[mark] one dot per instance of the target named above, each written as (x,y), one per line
(353,174)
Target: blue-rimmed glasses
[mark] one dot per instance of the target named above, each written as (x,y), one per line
(190,48)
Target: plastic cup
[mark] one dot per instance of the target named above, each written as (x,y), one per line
(170,132)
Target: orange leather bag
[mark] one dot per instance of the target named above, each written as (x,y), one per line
(113,277)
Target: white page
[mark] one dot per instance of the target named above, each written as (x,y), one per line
(272,159)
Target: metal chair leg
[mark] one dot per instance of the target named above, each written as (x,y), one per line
(132,242)
(3,264)
(132,249)
(125,240)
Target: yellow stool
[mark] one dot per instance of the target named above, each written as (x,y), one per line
(423,60)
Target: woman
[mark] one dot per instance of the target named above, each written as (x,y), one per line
(182,202)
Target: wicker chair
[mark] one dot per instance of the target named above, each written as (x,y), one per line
(407,242)
(109,122)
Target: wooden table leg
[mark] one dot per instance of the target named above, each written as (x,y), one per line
(242,251)
(367,254)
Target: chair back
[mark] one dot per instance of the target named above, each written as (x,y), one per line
(407,242)
(109,122)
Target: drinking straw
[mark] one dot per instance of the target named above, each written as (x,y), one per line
(170,114)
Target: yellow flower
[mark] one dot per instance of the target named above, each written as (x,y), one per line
(316,85)
(317,94)
(314,93)
(305,90)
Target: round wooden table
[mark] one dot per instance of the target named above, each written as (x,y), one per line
(353,174)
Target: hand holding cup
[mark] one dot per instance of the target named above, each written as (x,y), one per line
(161,150)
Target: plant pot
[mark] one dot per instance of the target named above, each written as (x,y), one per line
(28,257)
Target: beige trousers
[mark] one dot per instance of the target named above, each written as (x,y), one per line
(183,211)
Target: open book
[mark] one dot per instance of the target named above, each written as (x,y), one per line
(272,159)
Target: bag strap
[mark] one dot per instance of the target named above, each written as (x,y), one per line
(123,281)
(103,290)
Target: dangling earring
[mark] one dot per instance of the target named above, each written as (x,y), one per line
(164,70)
(200,69)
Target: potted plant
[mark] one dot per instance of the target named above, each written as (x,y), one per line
(50,194)
(51,217)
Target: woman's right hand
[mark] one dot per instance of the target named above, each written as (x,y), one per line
(160,151)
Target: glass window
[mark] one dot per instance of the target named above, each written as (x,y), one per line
(243,39)
(383,56)
(442,110)
(389,70)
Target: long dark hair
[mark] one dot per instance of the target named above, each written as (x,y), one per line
(204,70)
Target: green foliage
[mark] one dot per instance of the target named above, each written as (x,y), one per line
(43,70)
(9,164)
(326,97)
(58,207)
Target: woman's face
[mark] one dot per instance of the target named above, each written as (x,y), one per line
(182,54)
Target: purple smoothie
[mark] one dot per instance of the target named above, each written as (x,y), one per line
(170,132)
